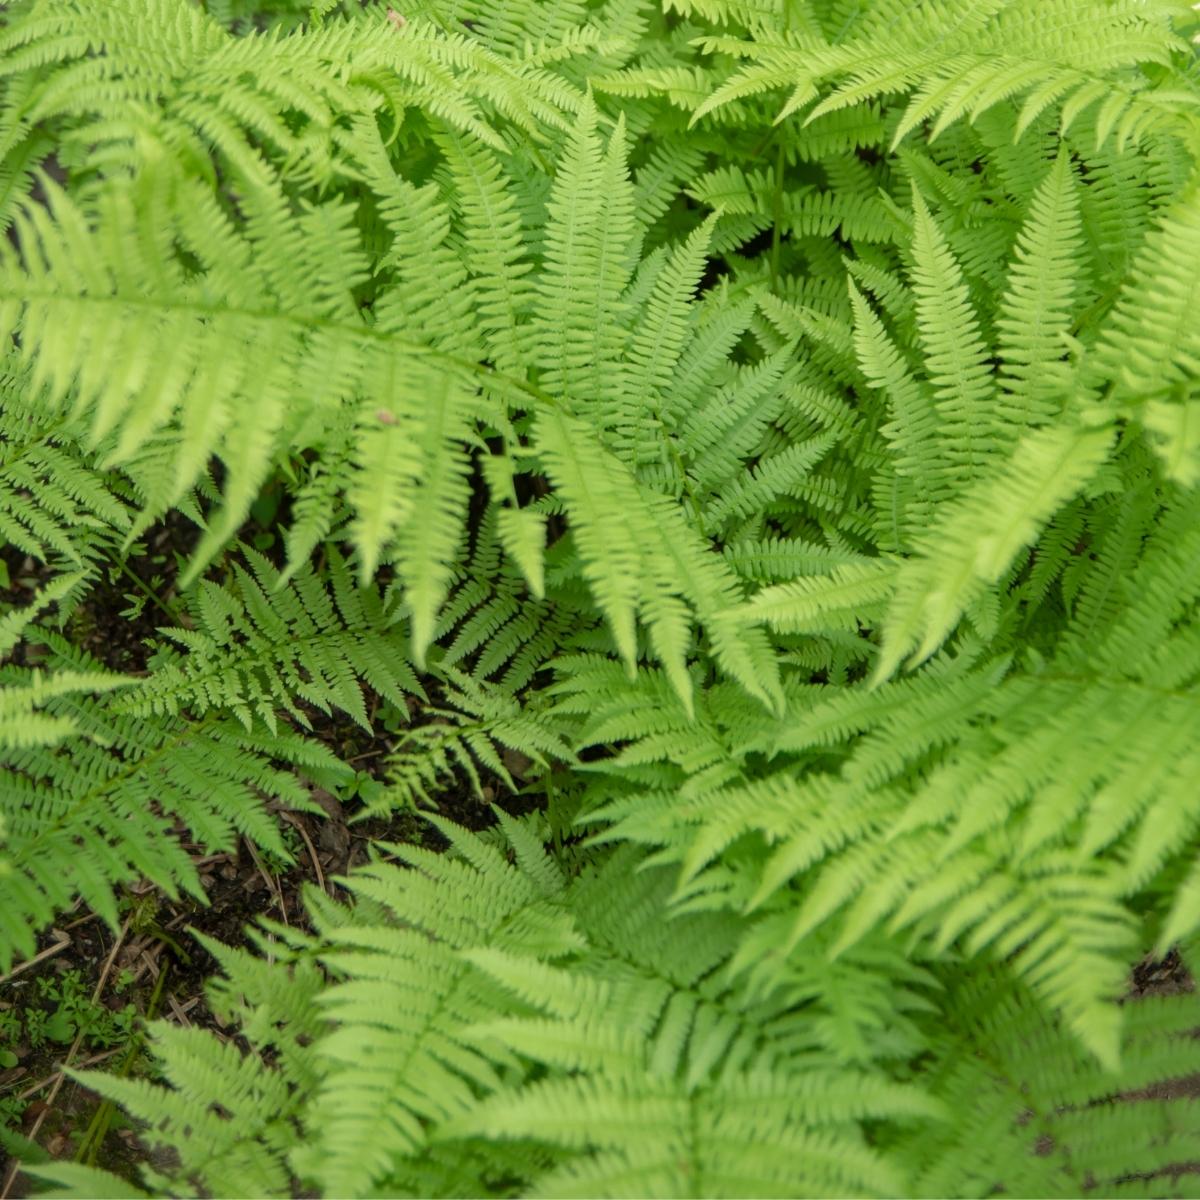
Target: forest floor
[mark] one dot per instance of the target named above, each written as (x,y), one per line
(81,1000)
(106,985)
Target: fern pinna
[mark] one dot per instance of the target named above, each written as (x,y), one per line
(772,424)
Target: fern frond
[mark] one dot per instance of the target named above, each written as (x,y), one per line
(978,537)
(423,1067)
(956,357)
(1152,310)
(239,1147)
(646,1057)
(590,242)
(847,597)
(475,726)
(913,429)
(23,724)
(493,250)
(627,582)
(255,647)
(1036,1115)
(52,500)
(1035,315)
(85,823)
(15,622)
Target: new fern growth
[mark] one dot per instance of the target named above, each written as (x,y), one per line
(762,434)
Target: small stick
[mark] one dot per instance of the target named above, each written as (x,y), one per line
(49,952)
(272,885)
(179,1013)
(312,853)
(80,921)
(34,1088)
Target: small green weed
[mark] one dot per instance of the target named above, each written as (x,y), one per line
(61,1009)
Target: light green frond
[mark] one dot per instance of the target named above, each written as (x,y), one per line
(601,496)
(1174,427)
(1035,316)
(256,647)
(590,240)
(407,993)
(832,602)
(23,723)
(956,358)
(1150,351)
(671,563)
(662,327)
(978,537)
(427,545)
(53,501)
(82,824)
(912,432)
(492,250)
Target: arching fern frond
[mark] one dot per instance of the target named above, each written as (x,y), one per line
(961,59)
(978,537)
(84,823)
(963,395)
(255,647)
(374,1110)
(1035,317)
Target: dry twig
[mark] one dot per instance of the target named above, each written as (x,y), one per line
(49,952)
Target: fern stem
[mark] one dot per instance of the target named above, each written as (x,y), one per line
(140,584)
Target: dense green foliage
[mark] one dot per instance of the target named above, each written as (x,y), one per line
(777,420)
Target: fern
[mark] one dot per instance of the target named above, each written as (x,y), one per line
(257,647)
(83,823)
(757,440)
